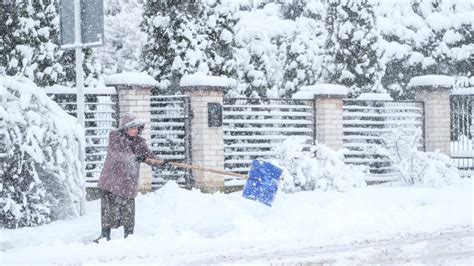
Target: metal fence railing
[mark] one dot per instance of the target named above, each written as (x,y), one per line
(253,127)
(462,130)
(171,137)
(100,118)
(367,127)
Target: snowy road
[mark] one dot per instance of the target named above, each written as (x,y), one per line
(450,247)
(381,225)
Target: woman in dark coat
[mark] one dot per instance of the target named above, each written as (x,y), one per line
(118,181)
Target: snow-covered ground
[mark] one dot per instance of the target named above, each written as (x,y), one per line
(377,224)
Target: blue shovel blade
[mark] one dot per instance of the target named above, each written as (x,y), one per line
(262,182)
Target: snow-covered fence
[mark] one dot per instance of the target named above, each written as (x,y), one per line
(101,116)
(366,125)
(253,127)
(462,128)
(448,103)
(170,137)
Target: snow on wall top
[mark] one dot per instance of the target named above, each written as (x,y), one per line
(130,78)
(200,79)
(58,89)
(375,97)
(308,92)
(432,80)
(463,86)
(463,91)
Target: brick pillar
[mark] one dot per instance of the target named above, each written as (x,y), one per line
(328,114)
(207,142)
(328,103)
(437,117)
(136,99)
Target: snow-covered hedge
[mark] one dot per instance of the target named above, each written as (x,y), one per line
(39,164)
(417,167)
(316,167)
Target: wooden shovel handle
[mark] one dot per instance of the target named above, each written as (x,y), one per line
(199,168)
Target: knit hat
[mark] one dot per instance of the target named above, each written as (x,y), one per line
(130,120)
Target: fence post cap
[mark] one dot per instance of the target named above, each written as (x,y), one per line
(201,80)
(432,82)
(130,79)
(322,90)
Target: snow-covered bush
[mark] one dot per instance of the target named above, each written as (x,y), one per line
(39,164)
(415,166)
(315,167)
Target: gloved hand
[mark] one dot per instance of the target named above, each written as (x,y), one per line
(141,158)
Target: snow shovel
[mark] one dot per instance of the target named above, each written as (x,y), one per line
(262,181)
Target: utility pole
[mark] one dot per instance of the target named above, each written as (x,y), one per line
(79,81)
(81,25)
(79,69)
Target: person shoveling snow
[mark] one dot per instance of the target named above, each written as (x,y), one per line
(118,182)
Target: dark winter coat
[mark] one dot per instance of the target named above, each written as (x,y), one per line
(120,173)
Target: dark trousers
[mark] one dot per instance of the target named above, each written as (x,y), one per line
(117,211)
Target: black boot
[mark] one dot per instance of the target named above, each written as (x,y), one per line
(127,230)
(104,234)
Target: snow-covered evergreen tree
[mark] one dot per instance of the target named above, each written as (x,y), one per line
(124,40)
(306,45)
(219,26)
(32,50)
(434,37)
(40,170)
(186,37)
(262,39)
(31,44)
(279,47)
(352,54)
(7,28)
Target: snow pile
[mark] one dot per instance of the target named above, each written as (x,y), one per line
(415,166)
(40,169)
(316,167)
(175,226)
